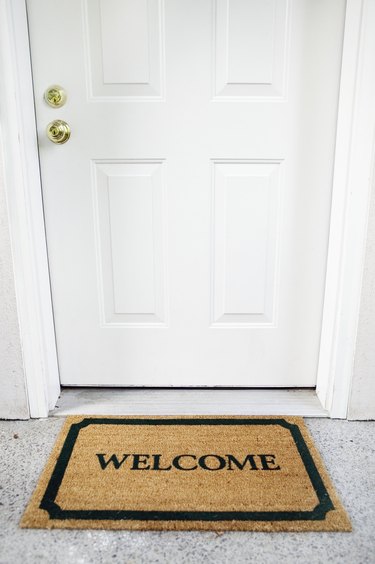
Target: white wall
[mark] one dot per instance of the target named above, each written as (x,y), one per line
(362,401)
(13,399)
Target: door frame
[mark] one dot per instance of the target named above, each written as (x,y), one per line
(353,167)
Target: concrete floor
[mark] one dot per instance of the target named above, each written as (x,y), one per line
(348,449)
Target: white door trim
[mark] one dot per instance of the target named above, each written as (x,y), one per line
(25,211)
(353,169)
(351,188)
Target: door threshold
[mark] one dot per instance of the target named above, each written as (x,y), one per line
(197,401)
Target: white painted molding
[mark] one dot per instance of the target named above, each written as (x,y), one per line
(350,205)
(25,211)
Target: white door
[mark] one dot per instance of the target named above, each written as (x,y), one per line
(187,217)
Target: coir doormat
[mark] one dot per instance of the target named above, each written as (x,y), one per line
(207,473)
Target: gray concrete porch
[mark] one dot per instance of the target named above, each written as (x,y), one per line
(347,448)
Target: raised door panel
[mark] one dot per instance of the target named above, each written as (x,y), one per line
(250,48)
(245,226)
(124,48)
(130,221)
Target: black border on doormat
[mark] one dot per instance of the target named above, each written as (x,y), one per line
(55,512)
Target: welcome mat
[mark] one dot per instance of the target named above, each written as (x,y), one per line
(207,473)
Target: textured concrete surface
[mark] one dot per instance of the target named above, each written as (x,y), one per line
(348,449)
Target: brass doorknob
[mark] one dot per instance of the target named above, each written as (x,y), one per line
(58,131)
(55,96)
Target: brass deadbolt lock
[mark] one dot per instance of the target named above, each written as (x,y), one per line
(58,131)
(55,96)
